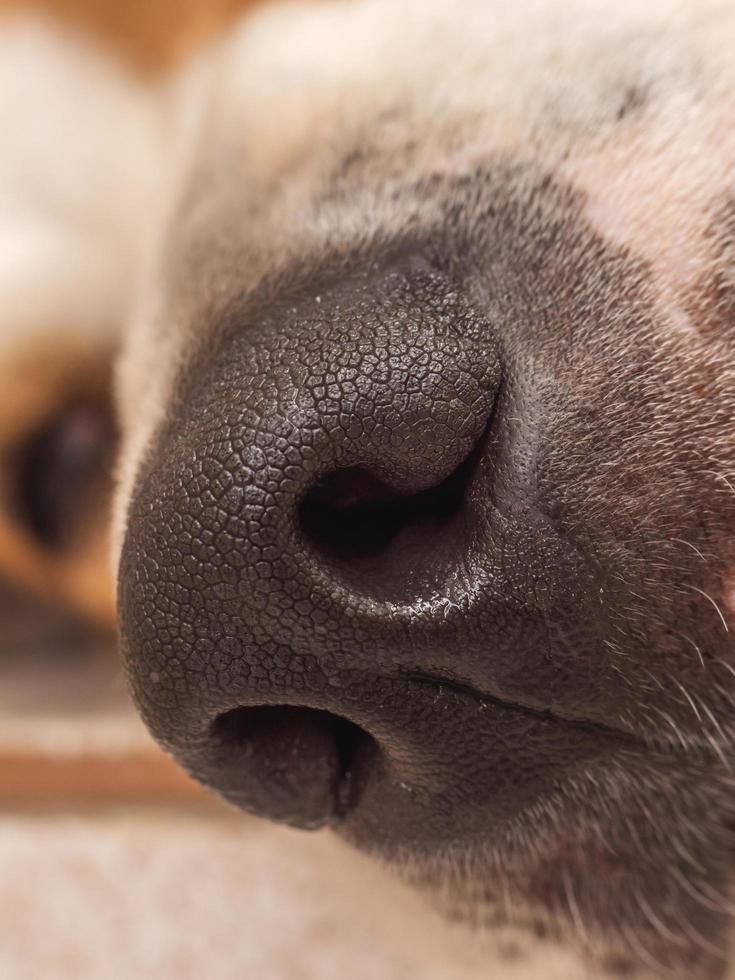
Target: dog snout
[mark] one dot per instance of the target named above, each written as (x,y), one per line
(285,552)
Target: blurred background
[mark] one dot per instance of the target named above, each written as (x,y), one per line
(80,121)
(112,863)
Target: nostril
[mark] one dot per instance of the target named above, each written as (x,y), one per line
(288,763)
(351,514)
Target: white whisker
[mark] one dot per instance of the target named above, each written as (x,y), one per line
(693,547)
(726,665)
(696,647)
(690,699)
(726,481)
(714,604)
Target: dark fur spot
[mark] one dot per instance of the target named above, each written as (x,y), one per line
(633,101)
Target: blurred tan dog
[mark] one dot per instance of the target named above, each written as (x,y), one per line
(79,138)
(81,91)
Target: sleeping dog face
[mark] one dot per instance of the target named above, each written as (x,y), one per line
(427,496)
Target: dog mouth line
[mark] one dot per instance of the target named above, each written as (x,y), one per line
(700,750)
(438,682)
(353,750)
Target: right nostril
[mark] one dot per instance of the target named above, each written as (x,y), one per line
(351,514)
(287,763)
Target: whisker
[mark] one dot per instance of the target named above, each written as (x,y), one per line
(714,604)
(660,926)
(690,699)
(726,481)
(684,636)
(642,953)
(694,548)
(716,903)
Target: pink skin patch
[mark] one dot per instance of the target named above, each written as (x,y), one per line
(657,191)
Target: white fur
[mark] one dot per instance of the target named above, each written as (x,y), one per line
(82,146)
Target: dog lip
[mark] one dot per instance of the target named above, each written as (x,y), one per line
(436,681)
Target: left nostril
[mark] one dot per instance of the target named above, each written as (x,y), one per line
(351,514)
(287,763)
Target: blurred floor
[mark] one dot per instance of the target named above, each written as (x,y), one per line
(173,896)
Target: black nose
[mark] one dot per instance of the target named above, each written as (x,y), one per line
(303,525)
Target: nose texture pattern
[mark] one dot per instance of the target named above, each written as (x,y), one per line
(310,485)
(304,539)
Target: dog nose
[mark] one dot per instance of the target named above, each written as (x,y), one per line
(299,521)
